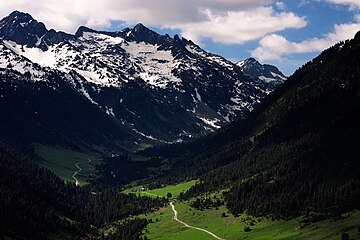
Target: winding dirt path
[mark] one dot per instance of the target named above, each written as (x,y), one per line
(175,217)
(77,183)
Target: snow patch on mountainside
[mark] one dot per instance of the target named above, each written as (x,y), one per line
(275,75)
(93,77)
(109,111)
(241,63)
(66,58)
(155,65)
(267,79)
(147,136)
(36,55)
(102,38)
(198,96)
(9,59)
(211,122)
(213,58)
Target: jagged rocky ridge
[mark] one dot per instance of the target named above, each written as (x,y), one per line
(158,88)
(263,72)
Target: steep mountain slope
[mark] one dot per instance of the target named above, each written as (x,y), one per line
(297,152)
(40,107)
(60,117)
(162,89)
(265,72)
(36,204)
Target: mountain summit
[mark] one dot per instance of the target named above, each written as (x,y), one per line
(22,29)
(264,72)
(159,88)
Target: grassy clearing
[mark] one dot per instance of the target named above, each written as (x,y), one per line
(62,162)
(144,146)
(175,190)
(138,158)
(163,227)
(231,228)
(166,228)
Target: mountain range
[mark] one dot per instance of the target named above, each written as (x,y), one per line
(128,88)
(263,72)
(284,162)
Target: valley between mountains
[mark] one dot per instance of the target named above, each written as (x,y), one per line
(133,135)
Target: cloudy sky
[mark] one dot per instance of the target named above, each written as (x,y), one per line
(285,33)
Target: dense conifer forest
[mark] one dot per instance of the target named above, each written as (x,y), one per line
(35,203)
(297,152)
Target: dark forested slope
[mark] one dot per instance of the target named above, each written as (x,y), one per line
(36,204)
(51,112)
(297,152)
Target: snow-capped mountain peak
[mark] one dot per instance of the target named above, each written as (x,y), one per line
(248,62)
(264,72)
(166,88)
(21,28)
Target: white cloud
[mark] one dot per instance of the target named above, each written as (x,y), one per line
(241,26)
(225,21)
(354,4)
(357,18)
(280,5)
(303,3)
(275,47)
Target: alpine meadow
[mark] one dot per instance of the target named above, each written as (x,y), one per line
(168,120)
